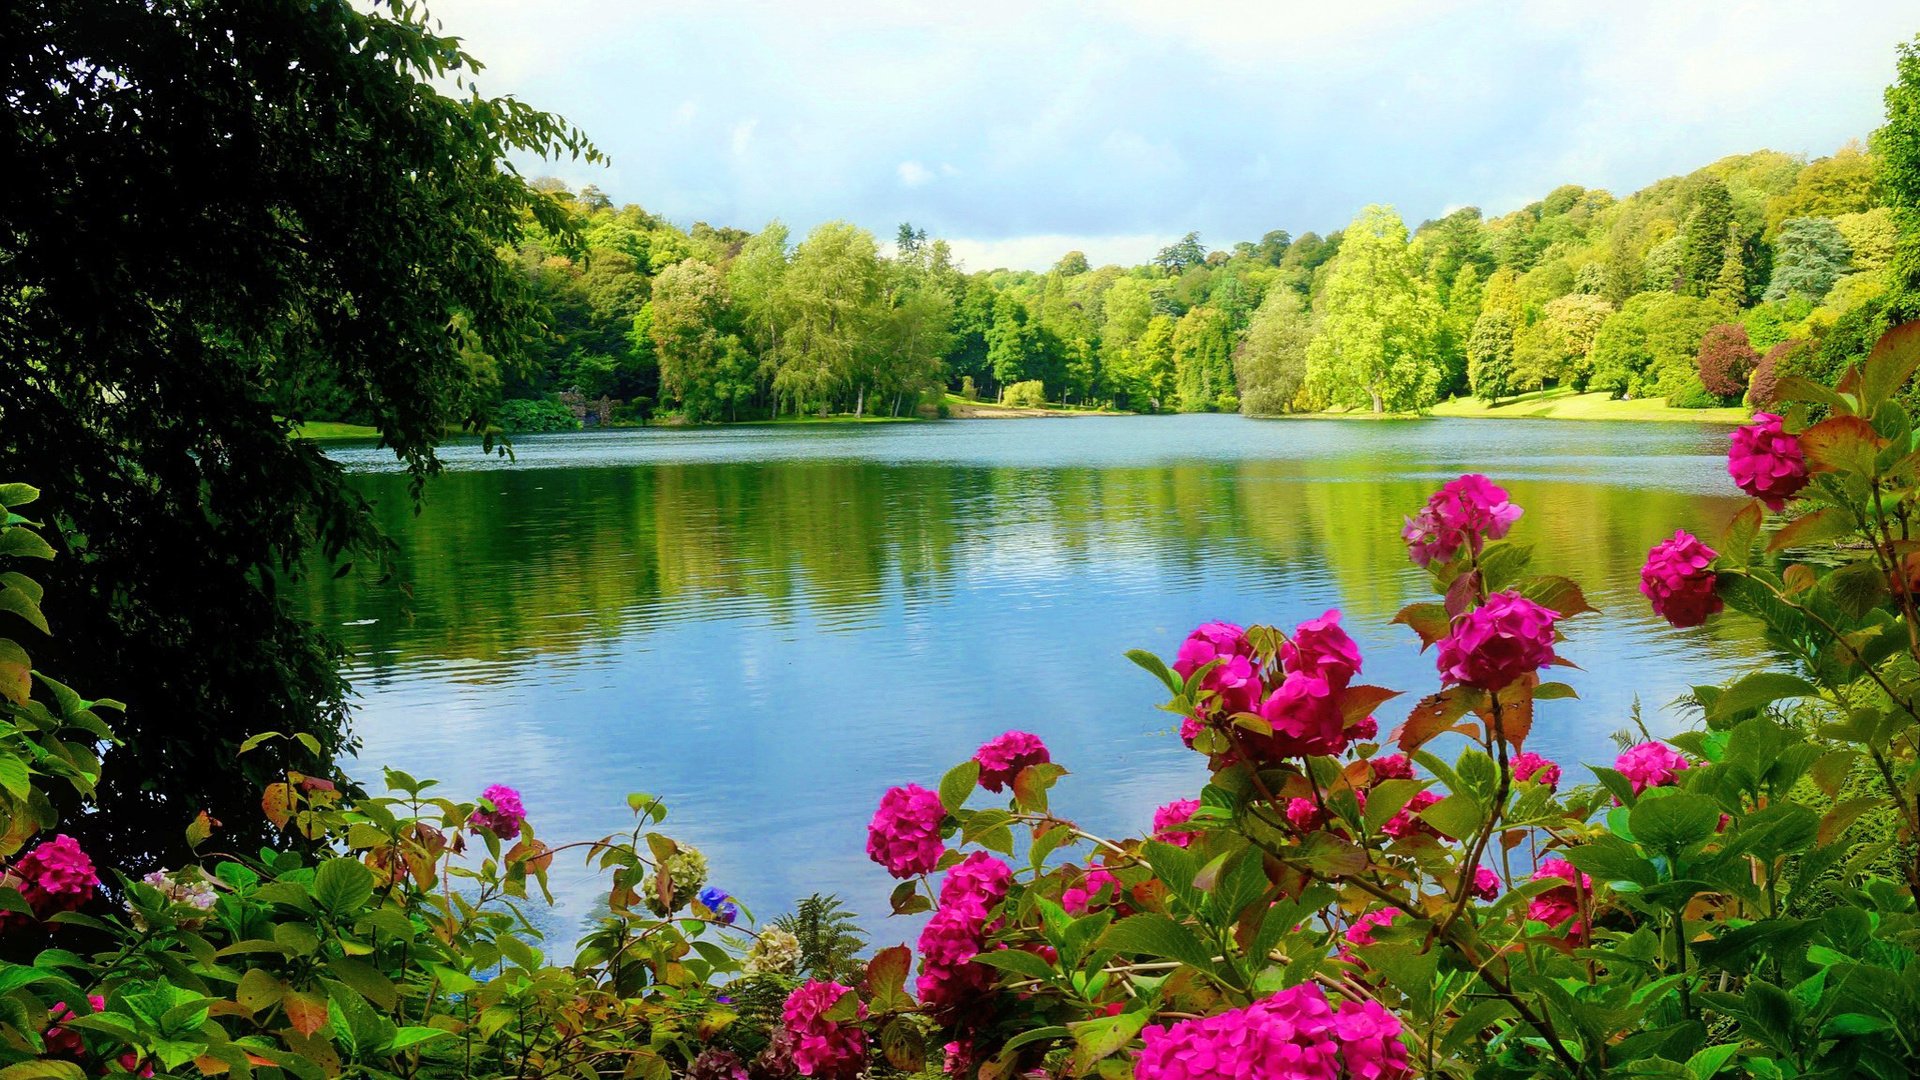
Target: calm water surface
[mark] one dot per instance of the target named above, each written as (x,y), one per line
(769,626)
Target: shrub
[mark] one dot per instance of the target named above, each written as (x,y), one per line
(1788,358)
(1029,394)
(1726,360)
(967,388)
(534,415)
(1693,395)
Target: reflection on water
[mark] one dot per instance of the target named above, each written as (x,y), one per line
(768,626)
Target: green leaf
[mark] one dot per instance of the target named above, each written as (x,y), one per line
(46,1069)
(1609,858)
(1456,816)
(413,1036)
(1158,668)
(1019,962)
(365,979)
(958,784)
(1671,823)
(1756,690)
(342,885)
(1156,935)
(1100,1038)
(17,495)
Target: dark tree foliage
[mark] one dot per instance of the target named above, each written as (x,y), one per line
(1726,360)
(210,202)
(1899,146)
(1792,357)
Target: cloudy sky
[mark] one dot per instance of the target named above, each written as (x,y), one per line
(1020,130)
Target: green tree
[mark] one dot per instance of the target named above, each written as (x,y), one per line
(1490,356)
(705,368)
(1648,347)
(1203,359)
(1271,364)
(1899,144)
(1375,346)
(1182,255)
(210,201)
(1704,240)
(830,299)
(1809,255)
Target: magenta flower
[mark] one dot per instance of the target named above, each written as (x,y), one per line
(1392,767)
(1293,1035)
(978,879)
(1177,812)
(1408,821)
(949,942)
(1305,718)
(1361,932)
(507,815)
(904,835)
(1677,580)
(1766,462)
(1464,513)
(1319,647)
(1531,767)
(62,1040)
(1560,904)
(1096,886)
(821,1047)
(1003,756)
(1486,884)
(55,876)
(1497,642)
(1304,815)
(1650,764)
(1236,682)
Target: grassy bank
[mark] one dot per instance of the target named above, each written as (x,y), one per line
(330,430)
(1567,404)
(963,408)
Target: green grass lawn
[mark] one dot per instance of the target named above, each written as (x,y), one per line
(1566,404)
(956,401)
(327,430)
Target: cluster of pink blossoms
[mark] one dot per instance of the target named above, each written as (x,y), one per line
(1464,513)
(1236,682)
(1177,812)
(1766,462)
(1294,1035)
(1529,767)
(1320,661)
(1407,820)
(904,835)
(1486,884)
(1498,642)
(1392,767)
(1097,886)
(1002,757)
(957,932)
(507,815)
(1676,579)
(821,1047)
(64,1041)
(1560,904)
(1650,764)
(55,876)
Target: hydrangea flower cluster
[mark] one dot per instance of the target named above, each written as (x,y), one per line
(1177,812)
(1766,462)
(1498,642)
(1002,757)
(686,871)
(1529,767)
(1560,904)
(1407,821)
(720,902)
(1464,513)
(717,1064)
(1677,580)
(1361,932)
(189,885)
(1294,1035)
(1392,767)
(1650,764)
(1304,814)
(1486,884)
(904,835)
(958,932)
(774,952)
(1305,718)
(1236,682)
(55,876)
(978,879)
(1096,886)
(63,1040)
(1320,648)
(507,815)
(821,1047)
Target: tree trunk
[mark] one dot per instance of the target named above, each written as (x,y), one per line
(860,402)
(1376,400)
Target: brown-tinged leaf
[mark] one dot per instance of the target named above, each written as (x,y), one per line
(1556,593)
(1462,593)
(306,1011)
(276,802)
(1891,363)
(887,977)
(1798,578)
(1832,770)
(16,672)
(1431,716)
(1837,820)
(259,990)
(1429,620)
(1827,523)
(1358,702)
(1841,444)
(200,828)
(210,1065)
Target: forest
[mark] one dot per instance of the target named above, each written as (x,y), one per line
(1694,289)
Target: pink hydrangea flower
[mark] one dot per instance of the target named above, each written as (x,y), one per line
(904,835)
(949,942)
(1408,820)
(1177,812)
(1558,905)
(1320,647)
(1236,682)
(1530,767)
(1361,932)
(1676,580)
(1497,642)
(1463,513)
(1392,767)
(1096,886)
(1003,756)
(1294,1035)
(1766,462)
(1305,718)
(1304,814)
(55,876)
(1486,884)
(62,1040)
(1363,729)
(978,879)
(821,1047)
(1650,764)
(958,1059)
(507,815)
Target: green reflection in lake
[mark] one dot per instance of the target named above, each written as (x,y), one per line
(768,627)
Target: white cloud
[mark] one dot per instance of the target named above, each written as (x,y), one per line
(742,136)
(1041,252)
(914,174)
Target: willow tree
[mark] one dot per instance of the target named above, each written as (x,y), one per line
(210,202)
(830,302)
(1379,324)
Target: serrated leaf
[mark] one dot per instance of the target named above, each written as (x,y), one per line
(1156,935)
(957,785)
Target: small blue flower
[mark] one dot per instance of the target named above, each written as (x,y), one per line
(716,900)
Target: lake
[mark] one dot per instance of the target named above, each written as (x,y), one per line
(768,626)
